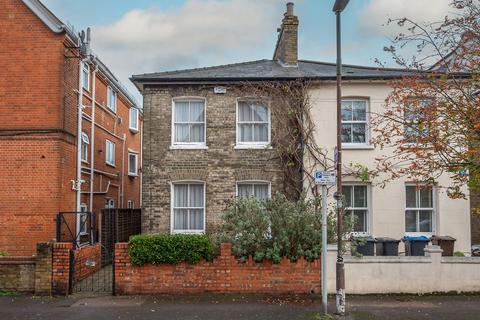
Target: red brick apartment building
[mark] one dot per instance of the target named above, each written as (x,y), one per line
(58,154)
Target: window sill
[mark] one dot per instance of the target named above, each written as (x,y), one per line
(188,147)
(188,232)
(252,146)
(110,164)
(357,147)
(132,175)
(133,130)
(85,161)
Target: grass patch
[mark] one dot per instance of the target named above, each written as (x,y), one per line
(7,293)
(318,316)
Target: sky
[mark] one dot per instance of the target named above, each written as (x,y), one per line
(143,36)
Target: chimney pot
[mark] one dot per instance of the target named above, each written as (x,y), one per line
(289,9)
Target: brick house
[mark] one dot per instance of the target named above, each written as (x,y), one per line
(49,148)
(206,143)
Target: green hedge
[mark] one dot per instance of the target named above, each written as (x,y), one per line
(166,248)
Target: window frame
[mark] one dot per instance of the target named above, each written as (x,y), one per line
(172,206)
(107,142)
(415,135)
(111,107)
(252,144)
(133,129)
(368,223)
(189,145)
(130,204)
(434,209)
(86,68)
(81,232)
(86,143)
(130,173)
(253,183)
(358,145)
(108,201)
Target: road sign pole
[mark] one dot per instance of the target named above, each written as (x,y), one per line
(324,249)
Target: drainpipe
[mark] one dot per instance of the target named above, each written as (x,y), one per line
(92,137)
(79,133)
(122,194)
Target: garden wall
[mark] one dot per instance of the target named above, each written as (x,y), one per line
(28,274)
(223,275)
(401,274)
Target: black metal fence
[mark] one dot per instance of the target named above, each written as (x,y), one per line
(117,225)
(76,227)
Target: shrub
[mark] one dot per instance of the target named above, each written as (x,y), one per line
(272,228)
(165,248)
(3,254)
(458,254)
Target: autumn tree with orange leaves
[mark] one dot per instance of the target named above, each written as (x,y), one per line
(431,122)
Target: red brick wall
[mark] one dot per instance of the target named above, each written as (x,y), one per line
(224,275)
(30,56)
(61,267)
(37,126)
(82,258)
(33,188)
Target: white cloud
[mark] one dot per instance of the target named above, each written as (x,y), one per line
(199,32)
(377,12)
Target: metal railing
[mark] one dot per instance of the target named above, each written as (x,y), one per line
(78,228)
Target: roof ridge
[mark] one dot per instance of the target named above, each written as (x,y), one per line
(354,65)
(203,68)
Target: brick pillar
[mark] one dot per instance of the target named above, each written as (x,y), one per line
(122,266)
(61,268)
(43,269)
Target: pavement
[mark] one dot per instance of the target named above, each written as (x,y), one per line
(231,307)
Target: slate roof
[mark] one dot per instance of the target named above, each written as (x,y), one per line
(268,70)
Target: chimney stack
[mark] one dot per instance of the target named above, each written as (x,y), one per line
(286,50)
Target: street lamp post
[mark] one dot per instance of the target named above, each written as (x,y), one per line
(338,7)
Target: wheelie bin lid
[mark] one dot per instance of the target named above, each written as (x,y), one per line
(416,238)
(386,239)
(363,238)
(444,238)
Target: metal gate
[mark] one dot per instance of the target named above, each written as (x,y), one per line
(89,273)
(92,259)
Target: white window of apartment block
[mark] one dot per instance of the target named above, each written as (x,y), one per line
(257,189)
(133,121)
(188,122)
(109,203)
(188,207)
(357,206)
(110,152)
(83,219)
(354,122)
(86,76)
(419,208)
(130,204)
(253,123)
(132,164)
(111,99)
(84,147)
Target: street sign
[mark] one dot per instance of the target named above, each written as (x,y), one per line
(325,178)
